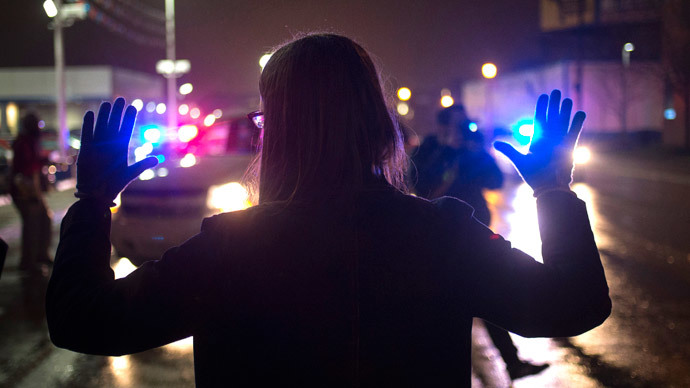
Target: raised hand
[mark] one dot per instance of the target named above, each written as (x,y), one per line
(549,162)
(102,169)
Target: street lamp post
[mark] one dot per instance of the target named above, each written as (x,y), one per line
(63,16)
(62,130)
(170,54)
(489,71)
(625,59)
(171,68)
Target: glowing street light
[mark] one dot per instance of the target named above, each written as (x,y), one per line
(186,89)
(264,60)
(625,53)
(183,109)
(403,108)
(447,101)
(489,70)
(209,120)
(138,104)
(404,94)
(50,8)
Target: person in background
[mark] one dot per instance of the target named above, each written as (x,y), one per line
(456,164)
(337,277)
(27,195)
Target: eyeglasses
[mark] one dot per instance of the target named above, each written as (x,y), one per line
(257,117)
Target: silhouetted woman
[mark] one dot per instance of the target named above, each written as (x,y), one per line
(336,277)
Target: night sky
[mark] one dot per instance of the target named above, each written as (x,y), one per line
(426,45)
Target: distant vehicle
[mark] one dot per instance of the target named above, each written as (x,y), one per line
(199,174)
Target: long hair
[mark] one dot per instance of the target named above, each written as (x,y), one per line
(328,129)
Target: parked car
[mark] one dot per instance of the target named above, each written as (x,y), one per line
(166,205)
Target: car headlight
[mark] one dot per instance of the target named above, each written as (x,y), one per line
(581,155)
(228,197)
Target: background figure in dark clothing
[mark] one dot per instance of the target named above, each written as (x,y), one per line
(457,165)
(27,196)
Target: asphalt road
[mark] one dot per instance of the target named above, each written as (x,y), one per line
(641,218)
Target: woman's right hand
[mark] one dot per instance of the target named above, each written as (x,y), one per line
(549,162)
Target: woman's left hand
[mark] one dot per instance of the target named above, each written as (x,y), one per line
(102,169)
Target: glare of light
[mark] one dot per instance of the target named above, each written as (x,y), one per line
(160,108)
(188,161)
(228,197)
(50,8)
(123,267)
(120,367)
(186,89)
(670,114)
(404,94)
(185,345)
(523,223)
(147,175)
(195,113)
(117,201)
(489,70)
(581,155)
(138,104)
(403,108)
(161,159)
(147,147)
(187,132)
(150,106)
(152,135)
(447,101)
(52,169)
(183,109)
(473,127)
(217,113)
(74,143)
(12,114)
(629,47)
(162,172)
(139,154)
(526,130)
(209,120)
(41,124)
(264,60)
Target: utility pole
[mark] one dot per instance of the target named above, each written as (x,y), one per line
(170,54)
(625,61)
(61,114)
(64,16)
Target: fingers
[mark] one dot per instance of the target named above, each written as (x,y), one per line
(566,109)
(128,125)
(575,129)
(540,113)
(509,151)
(115,117)
(553,115)
(134,170)
(87,129)
(100,132)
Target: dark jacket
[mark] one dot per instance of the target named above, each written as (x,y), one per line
(462,173)
(375,291)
